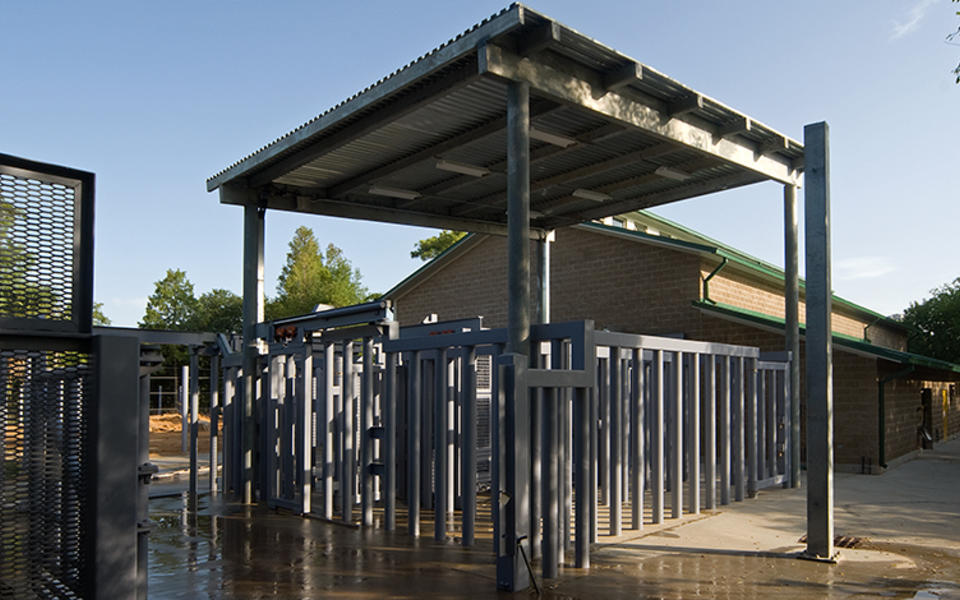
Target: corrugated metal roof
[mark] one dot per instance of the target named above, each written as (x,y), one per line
(451,104)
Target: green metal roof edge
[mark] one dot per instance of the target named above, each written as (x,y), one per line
(427,265)
(757,264)
(841,338)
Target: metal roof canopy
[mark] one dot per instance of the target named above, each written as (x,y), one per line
(428,144)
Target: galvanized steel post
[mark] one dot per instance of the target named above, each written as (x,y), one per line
(792,318)
(214,421)
(194,429)
(818,343)
(253,225)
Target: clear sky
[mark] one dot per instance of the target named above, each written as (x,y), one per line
(156,97)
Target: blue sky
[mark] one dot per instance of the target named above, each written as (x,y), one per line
(156,97)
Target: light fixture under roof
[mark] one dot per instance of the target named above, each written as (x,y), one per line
(591,195)
(671,173)
(551,138)
(390,192)
(462,168)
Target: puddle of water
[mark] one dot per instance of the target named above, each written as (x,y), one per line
(233,551)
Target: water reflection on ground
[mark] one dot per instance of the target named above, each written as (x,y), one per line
(233,551)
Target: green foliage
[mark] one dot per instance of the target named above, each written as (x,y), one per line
(310,277)
(219,311)
(950,38)
(20,295)
(937,319)
(434,246)
(99,319)
(172,304)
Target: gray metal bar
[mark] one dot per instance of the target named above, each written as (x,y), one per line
(773,413)
(581,474)
(656,475)
(792,321)
(603,458)
(543,245)
(143,487)
(752,432)
(184,408)
(305,430)
(637,428)
(414,401)
(512,573)
(329,427)
(111,493)
(550,490)
(615,466)
(214,422)
(710,432)
(739,462)
(761,403)
(366,439)
(593,437)
(518,219)
(676,446)
(468,452)
(441,483)
(389,488)
(693,434)
(726,382)
(818,342)
(253,226)
(348,459)
(194,429)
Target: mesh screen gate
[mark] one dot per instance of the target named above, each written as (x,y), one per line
(42,488)
(67,514)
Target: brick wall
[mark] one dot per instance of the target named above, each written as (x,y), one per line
(737,288)
(623,286)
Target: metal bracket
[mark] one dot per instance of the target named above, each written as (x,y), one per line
(146,471)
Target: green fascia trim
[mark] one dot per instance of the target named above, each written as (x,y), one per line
(427,265)
(849,341)
(742,258)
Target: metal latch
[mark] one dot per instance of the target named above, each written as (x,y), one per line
(146,471)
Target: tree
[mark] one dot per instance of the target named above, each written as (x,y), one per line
(99,319)
(172,304)
(950,38)
(219,311)
(937,320)
(310,277)
(434,246)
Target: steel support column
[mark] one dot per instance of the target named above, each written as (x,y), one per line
(515,512)
(792,325)
(818,343)
(253,222)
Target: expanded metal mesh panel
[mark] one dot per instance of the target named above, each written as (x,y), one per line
(43,396)
(37,232)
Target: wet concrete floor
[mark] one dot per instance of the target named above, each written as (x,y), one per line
(908,521)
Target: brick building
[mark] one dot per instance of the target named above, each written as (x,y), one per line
(641,273)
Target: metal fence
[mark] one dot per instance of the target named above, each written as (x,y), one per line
(636,424)
(68,428)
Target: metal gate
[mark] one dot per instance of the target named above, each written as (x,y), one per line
(67,502)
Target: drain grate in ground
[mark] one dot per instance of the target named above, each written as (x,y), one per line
(840,541)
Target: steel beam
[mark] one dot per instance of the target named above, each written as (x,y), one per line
(792,323)
(818,343)
(591,93)
(637,428)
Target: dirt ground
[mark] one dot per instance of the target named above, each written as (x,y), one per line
(165,438)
